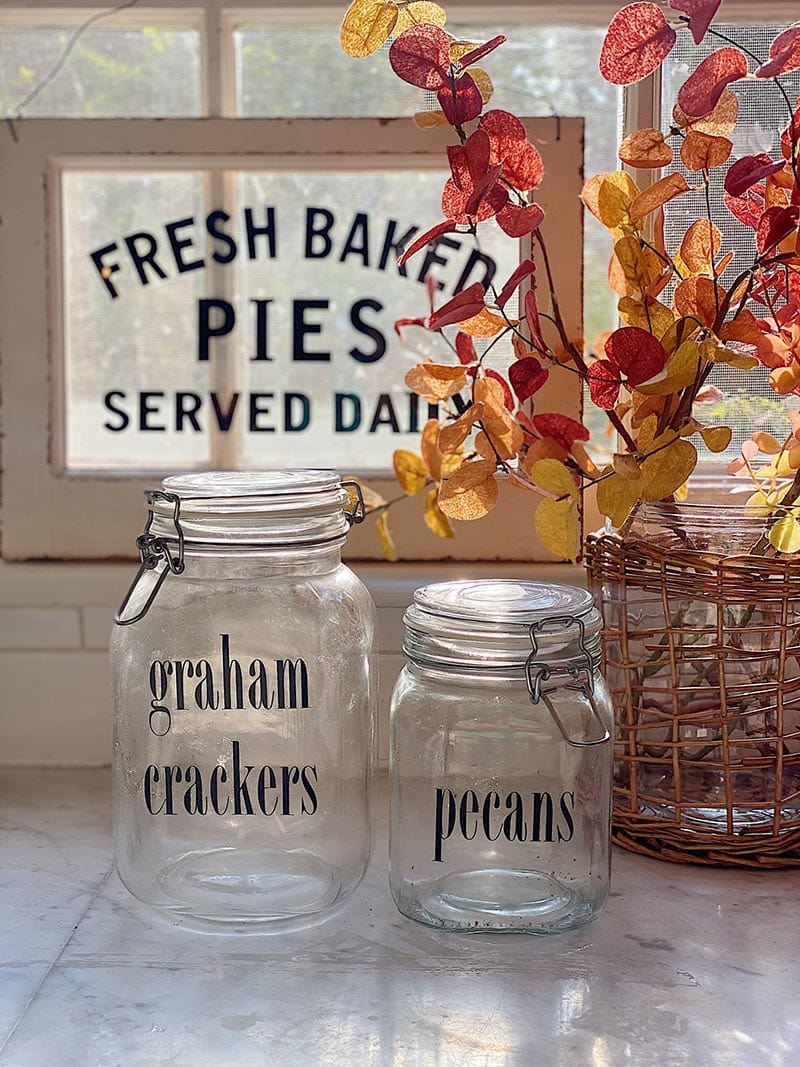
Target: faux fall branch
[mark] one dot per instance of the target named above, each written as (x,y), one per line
(680,319)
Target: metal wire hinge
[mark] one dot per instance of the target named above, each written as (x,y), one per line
(159,557)
(537,672)
(359,508)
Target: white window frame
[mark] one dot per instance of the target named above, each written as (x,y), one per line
(46,512)
(32,532)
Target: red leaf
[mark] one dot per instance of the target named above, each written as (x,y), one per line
(421,56)
(532,319)
(776,224)
(561,428)
(701,14)
(638,41)
(604,384)
(508,396)
(482,190)
(505,131)
(749,171)
(527,377)
(464,305)
(465,349)
(785,53)
(523,271)
(477,54)
(638,354)
(400,323)
(517,220)
(700,93)
(446,226)
(791,135)
(461,102)
(749,208)
(523,167)
(454,202)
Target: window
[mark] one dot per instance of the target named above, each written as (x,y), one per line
(113,180)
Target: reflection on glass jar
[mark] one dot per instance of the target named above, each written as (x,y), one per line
(501,759)
(244,702)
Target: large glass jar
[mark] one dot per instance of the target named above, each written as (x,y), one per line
(244,701)
(501,757)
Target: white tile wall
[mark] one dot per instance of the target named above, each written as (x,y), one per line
(55,623)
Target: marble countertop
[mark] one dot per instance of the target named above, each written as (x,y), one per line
(686,966)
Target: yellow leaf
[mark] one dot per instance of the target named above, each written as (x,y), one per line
(656,318)
(609,197)
(471,492)
(682,493)
(366,26)
(640,266)
(460,48)
(666,470)
(716,438)
(785,534)
(484,83)
(451,463)
(430,120)
(436,381)
(385,538)
(716,352)
(554,476)
(682,369)
(409,471)
(417,12)
(557,526)
(626,467)
(454,434)
(647,433)
(435,519)
(616,496)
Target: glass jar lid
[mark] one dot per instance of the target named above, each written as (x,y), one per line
(266,509)
(497,624)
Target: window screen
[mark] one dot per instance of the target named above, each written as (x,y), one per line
(748,403)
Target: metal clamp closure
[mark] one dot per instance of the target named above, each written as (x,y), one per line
(159,555)
(359,508)
(582,674)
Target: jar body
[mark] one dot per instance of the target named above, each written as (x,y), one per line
(497,822)
(243,742)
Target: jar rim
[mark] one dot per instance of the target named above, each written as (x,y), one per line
(270,509)
(498,623)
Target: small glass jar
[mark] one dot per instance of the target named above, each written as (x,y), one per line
(244,701)
(501,759)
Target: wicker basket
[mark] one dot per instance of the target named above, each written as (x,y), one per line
(702,656)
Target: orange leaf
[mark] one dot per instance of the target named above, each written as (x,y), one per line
(701,245)
(609,197)
(657,195)
(454,434)
(471,492)
(436,381)
(646,149)
(429,446)
(696,296)
(721,122)
(484,324)
(699,151)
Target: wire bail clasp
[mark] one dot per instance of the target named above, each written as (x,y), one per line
(359,509)
(537,672)
(159,555)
